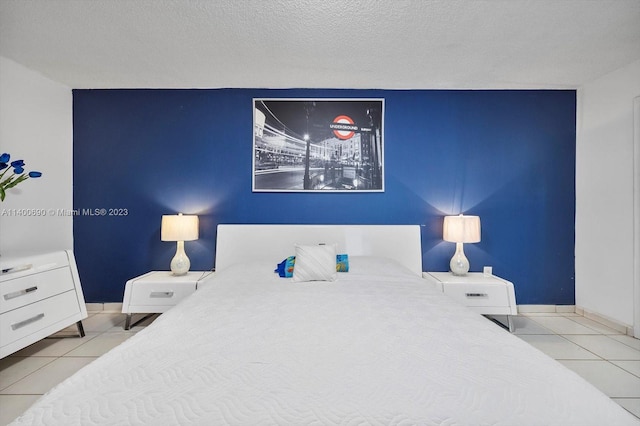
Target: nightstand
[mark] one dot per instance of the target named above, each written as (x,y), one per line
(158,291)
(487,295)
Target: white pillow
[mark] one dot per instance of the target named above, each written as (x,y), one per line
(315,263)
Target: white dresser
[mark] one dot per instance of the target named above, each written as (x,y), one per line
(40,294)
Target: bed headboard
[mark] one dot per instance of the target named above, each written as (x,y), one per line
(241,243)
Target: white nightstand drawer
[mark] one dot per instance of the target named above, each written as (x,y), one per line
(478,295)
(486,295)
(157,292)
(31,288)
(160,294)
(29,319)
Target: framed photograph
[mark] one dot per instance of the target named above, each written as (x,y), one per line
(318,145)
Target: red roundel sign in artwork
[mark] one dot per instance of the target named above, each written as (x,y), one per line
(343,127)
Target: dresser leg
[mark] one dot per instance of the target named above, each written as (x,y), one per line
(80,328)
(127,323)
(510,322)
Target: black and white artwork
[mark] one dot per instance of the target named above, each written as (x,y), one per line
(318,145)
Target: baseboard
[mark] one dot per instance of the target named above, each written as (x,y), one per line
(531,309)
(104,307)
(618,326)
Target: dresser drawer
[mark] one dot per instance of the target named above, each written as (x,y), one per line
(28,289)
(29,319)
(478,295)
(12,267)
(160,294)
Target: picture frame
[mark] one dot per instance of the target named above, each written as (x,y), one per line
(318,145)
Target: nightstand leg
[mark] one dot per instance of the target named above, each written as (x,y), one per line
(510,322)
(128,324)
(80,328)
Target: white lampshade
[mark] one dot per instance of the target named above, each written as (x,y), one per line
(179,227)
(461,229)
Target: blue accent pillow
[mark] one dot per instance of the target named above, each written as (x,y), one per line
(285,268)
(342,263)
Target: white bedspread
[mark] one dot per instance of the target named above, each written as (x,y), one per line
(384,349)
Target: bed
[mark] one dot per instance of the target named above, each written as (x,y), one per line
(376,345)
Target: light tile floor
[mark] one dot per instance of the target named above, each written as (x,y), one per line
(604,357)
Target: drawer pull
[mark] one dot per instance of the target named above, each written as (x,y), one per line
(17,269)
(19,293)
(476,294)
(161,294)
(27,321)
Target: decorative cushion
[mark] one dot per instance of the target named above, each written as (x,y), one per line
(342,263)
(315,263)
(285,268)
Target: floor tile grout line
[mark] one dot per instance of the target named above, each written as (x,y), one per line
(24,377)
(21,394)
(615,340)
(540,325)
(85,341)
(596,333)
(623,369)
(585,325)
(564,336)
(601,360)
(572,317)
(631,347)
(582,347)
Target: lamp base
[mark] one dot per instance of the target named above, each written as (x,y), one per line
(180,263)
(459,263)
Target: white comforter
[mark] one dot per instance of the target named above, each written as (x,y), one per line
(380,348)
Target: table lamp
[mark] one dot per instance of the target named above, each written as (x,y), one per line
(179,228)
(460,229)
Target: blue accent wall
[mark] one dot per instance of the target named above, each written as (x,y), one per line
(507,156)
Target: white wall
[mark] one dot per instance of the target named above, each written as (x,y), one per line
(36,125)
(604,195)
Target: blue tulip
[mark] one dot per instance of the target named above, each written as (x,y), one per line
(17,177)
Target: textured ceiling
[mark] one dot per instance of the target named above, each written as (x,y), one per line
(321,43)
